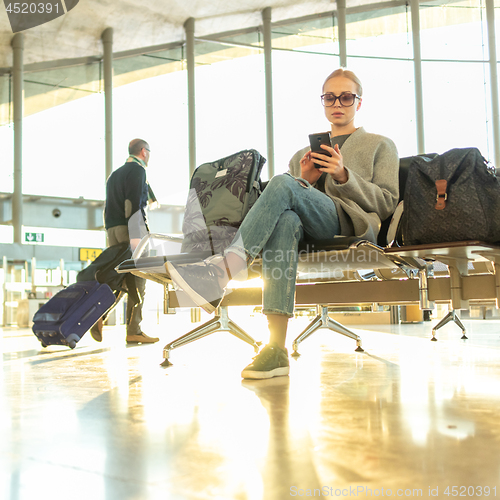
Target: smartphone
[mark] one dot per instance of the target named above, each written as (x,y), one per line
(315,140)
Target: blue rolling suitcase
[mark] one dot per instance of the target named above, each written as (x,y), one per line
(65,318)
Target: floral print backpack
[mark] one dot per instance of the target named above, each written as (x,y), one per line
(221,194)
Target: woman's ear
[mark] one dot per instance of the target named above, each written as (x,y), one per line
(359,104)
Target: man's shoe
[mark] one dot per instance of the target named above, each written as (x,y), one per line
(272,361)
(200,281)
(96,331)
(141,338)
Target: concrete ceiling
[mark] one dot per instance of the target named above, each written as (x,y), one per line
(144,23)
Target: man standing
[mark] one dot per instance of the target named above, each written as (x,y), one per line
(127,193)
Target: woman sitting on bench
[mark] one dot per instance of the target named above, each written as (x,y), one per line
(350,193)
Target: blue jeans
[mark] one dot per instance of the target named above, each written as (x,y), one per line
(287,210)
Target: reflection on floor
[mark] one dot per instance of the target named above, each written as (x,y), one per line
(104,421)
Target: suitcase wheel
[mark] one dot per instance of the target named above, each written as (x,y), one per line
(72,340)
(43,344)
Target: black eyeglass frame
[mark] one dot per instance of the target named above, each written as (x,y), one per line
(339,97)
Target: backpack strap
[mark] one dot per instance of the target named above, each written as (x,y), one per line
(441,185)
(441,196)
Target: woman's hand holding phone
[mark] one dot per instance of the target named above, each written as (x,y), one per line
(308,170)
(333,165)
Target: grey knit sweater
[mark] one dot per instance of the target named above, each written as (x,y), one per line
(372,191)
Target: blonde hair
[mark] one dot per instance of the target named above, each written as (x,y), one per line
(346,74)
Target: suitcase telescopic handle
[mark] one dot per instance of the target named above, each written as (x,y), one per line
(89,312)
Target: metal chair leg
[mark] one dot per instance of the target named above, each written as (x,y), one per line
(220,322)
(451,316)
(322,320)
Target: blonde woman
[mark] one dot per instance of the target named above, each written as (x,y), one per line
(350,193)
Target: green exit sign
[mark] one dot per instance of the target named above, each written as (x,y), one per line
(33,237)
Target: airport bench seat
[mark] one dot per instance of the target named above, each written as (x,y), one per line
(347,271)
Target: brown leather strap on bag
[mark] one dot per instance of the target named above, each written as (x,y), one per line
(441,197)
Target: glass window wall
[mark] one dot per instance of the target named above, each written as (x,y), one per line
(7,170)
(50,88)
(250,37)
(453,30)
(230,99)
(318,35)
(379,50)
(5,108)
(497,27)
(63,133)
(456,106)
(298,111)
(497,38)
(388,106)
(150,102)
(304,54)
(6,136)
(455,74)
(379,34)
(132,69)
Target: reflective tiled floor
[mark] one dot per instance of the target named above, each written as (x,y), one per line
(104,421)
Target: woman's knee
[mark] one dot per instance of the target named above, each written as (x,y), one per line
(279,182)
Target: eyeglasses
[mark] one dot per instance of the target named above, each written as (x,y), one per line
(345,99)
(148,150)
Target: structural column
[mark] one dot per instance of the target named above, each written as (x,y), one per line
(18,105)
(417,64)
(107,42)
(342,28)
(189,29)
(268,71)
(490,19)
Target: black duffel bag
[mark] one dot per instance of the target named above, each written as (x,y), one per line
(102,269)
(454,196)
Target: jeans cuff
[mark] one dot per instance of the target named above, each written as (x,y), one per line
(277,311)
(241,253)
